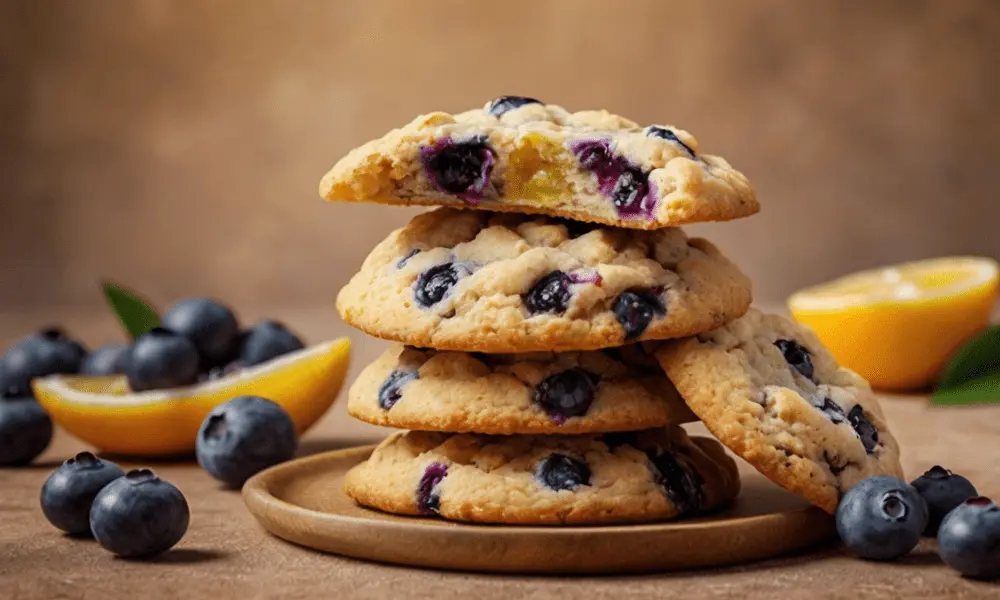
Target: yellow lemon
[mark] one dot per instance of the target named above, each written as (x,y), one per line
(897,326)
(102,411)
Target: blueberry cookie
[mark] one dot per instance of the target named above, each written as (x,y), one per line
(477,281)
(570,392)
(772,393)
(520,155)
(631,477)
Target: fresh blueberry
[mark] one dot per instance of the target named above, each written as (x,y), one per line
(881,518)
(25,430)
(863,427)
(669,135)
(211,326)
(550,295)
(943,491)
(635,311)
(566,394)
(797,356)
(69,492)
(435,283)
(161,359)
(243,437)
(139,515)
(679,482)
(428,494)
(107,360)
(560,472)
(504,103)
(45,353)
(461,168)
(391,390)
(265,341)
(969,539)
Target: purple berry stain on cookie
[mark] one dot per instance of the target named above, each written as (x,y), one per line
(668,134)
(391,390)
(635,310)
(550,294)
(461,168)
(428,496)
(567,394)
(625,184)
(679,482)
(434,284)
(560,472)
(797,356)
(864,428)
(507,103)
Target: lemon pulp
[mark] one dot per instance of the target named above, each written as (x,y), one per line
(897,326)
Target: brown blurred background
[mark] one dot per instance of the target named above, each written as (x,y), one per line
(177,146)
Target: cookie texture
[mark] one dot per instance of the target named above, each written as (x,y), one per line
(477,281)
(642,476)
(518,154)
(618,389)
(771,392)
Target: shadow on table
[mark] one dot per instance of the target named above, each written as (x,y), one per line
(184,556)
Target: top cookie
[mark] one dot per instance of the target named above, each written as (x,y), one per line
(519,155)
(475,281)
(771,392)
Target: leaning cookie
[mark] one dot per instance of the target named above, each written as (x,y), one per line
(476,281)
(771,392)
(632,477)
(563,393)
(517,154)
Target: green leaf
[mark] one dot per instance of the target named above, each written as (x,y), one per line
(979,357)
(981,390)
(135,314)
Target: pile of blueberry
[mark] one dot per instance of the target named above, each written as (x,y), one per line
(883,518)
(133,515)
(199,339)
(137,514)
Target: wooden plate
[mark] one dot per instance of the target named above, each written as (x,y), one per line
(301,501)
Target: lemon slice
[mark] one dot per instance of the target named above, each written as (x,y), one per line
(897,326)
(102,411)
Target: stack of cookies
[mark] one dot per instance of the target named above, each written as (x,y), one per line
(554,328)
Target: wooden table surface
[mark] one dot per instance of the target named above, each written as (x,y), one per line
(226,555)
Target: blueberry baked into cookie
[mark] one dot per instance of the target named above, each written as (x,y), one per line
(518,154)
(645,476)
(528,393)
(769,390)
(478,281)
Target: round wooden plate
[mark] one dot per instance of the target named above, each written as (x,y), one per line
(301,501)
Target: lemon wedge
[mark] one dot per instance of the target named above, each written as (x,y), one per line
(103,412)
(897,326)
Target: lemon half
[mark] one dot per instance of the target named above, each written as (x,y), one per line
(897,326)
(103,412)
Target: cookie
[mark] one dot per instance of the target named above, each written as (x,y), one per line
(632,477)
(477,281)
(520,155)
(772,393)
(565,393)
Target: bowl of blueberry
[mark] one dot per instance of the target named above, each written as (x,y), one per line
(149,397)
